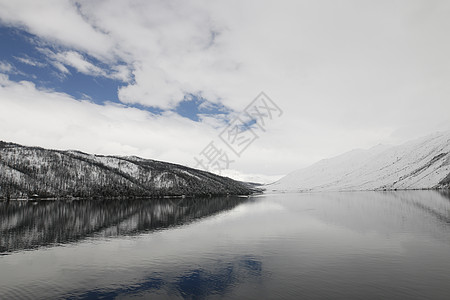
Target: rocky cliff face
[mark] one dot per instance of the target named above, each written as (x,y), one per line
(420,164)
(27,171)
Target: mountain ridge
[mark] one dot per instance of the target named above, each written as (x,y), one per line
(422,163)
(26,171)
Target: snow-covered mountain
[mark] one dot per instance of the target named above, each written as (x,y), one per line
(420,164)
(25,171)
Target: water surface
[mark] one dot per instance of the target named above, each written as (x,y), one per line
(365,245)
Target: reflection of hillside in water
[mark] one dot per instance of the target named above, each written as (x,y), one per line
(386,213)
(25,225)
(434,203)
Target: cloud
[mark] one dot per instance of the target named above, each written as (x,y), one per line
(61,60)
(6,67)
(77,61)
(29,61)
(60,67)
(34,116)
(47,118)
(59,22)
(82,65)
(347,74)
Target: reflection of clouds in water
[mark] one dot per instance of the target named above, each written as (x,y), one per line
(149,284)
(197,283)
(255,207)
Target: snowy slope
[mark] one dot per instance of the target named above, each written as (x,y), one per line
(419,164)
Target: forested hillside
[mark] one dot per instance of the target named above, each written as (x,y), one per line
(27,171)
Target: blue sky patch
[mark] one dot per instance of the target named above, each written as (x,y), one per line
(20,50)
(32,59)
(193,107)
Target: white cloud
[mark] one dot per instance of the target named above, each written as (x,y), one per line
(61,68)
(120,72)
(34,116)
(29,61)
(77,61)
(61,60)
(59,22)
(347,74)
(6,67)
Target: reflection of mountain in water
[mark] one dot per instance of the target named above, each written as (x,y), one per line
(25,225)
(434,203)
(386,213)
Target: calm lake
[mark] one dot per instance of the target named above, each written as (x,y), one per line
(360,245)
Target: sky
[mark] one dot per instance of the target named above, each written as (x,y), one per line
(171,80)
